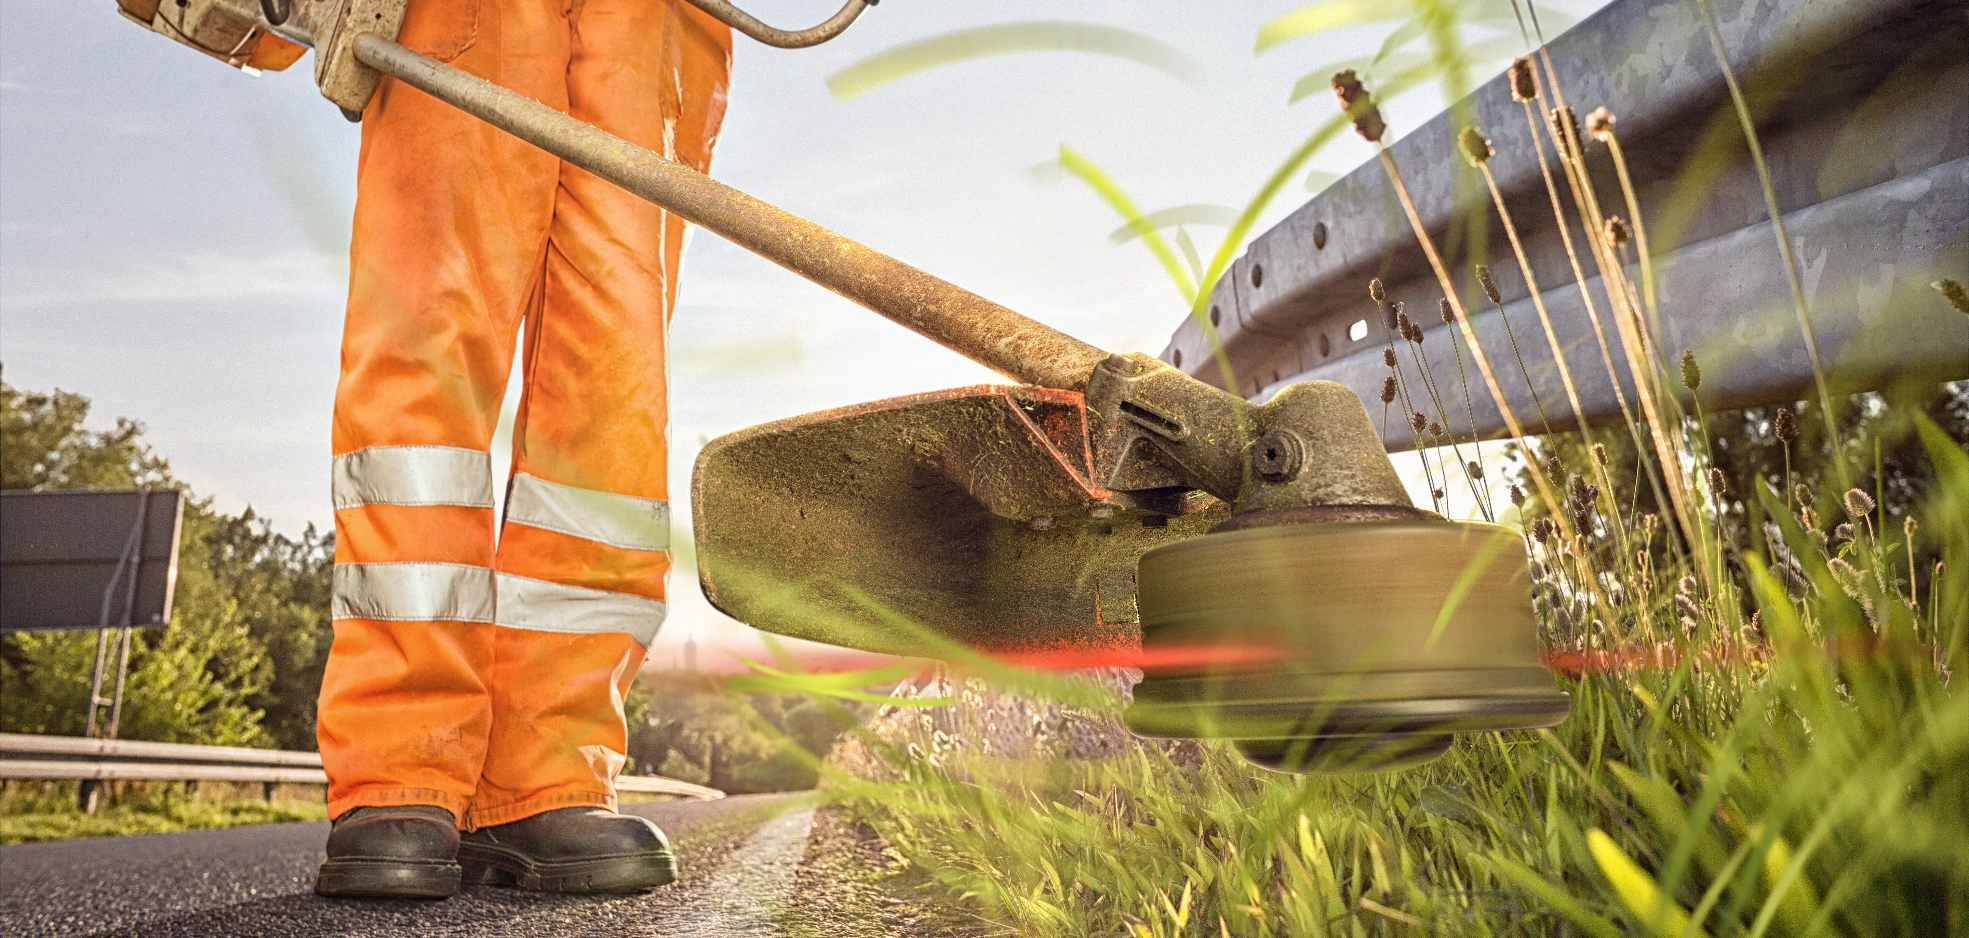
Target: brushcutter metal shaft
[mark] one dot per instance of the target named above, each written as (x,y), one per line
(992,335)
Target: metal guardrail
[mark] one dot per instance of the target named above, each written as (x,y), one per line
(1863,111)
(28,756)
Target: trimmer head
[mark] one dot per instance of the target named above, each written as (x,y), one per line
(1297,604)
(1357,646)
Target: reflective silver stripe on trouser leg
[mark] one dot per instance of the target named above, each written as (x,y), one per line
(546,606)
(413,475)
(626,521)
(413,592)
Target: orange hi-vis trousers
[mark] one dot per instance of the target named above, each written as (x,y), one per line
(486,680)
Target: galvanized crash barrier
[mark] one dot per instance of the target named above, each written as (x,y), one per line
(28,756)
(1860,111)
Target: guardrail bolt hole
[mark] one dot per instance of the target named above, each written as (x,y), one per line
(1319,236)
(1257,275)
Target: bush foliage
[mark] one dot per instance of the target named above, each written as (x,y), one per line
(240,662)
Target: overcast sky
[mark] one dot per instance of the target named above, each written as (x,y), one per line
(173,233)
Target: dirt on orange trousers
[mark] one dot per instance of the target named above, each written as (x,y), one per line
(489,679)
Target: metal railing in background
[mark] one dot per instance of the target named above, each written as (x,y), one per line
(28,756)
(1863,111)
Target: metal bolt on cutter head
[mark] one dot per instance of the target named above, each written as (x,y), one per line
(1263,565)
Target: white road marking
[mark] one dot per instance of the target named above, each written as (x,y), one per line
(751,891)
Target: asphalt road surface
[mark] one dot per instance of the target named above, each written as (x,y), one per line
(740,855)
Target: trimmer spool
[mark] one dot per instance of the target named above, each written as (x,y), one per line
(1263,563)
(1357,645)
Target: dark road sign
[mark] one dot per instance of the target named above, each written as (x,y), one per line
(88,559)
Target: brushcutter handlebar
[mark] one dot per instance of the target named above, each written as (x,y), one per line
(784,38)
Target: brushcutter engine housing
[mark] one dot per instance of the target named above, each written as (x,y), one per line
(233,31)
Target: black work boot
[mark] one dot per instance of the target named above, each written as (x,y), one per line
(406,852)
(570,850)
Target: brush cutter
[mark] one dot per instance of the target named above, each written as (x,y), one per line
(1262,564)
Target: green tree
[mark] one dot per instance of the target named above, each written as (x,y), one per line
(240,662)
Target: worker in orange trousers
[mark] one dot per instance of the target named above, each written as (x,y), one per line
(471,716)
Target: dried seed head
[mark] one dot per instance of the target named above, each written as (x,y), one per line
(1600,124)
(1524,80)
(1785,425)
(1489,285)
(1565,125)
(1858,503)
(1414,333)
(1579,493)
(1691,373)
(1448,312)
(1541,529)
(1688,627)
(1401,320)
(1388,357)
(1847,575)
(1803,493)
(1600,454)
(1475,471)
(1556,471)
(1582,520)
(1686,586)
(1718,483)
(1953,290)
(1376,291)
(1418,421)
(1388,389)
(1794,578)
(1475,147)
(1359,105)
(1844,532)
(1908,527)
(1435,429)
(1617,230)
(1517,496)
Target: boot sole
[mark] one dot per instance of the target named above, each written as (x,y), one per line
(489,866)
(388,878)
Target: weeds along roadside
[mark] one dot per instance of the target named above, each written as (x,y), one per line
(1766,739)
(1799,770)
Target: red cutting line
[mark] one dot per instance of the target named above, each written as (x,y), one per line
(1571,662)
